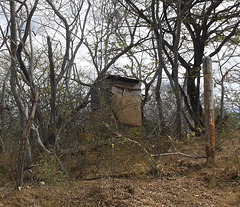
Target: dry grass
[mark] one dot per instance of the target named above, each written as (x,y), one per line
(179,181)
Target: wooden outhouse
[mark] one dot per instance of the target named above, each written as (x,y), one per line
(124,95)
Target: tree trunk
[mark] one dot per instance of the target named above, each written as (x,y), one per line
(24,141)
(178,120)
(52,127)
(222,99)
(159,101)
(20,99)
(193,94)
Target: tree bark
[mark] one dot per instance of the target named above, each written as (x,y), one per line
(24,140)
(159,101)
(176,40)
(25,151)
(52,127)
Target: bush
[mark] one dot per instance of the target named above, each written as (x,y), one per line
(48,170)
(7,168)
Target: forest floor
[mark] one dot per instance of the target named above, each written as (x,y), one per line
(180,181)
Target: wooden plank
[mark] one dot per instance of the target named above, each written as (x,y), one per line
(209,110)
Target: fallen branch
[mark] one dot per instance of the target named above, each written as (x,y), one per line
(148,153)
(179,153)
(130,140)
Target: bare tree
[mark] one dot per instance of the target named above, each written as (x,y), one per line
(205,25)
(20,98)
(155,22)
(226,68)
(199,27)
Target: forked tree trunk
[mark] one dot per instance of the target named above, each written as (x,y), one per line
(209,110)
(24,141)
(13,68)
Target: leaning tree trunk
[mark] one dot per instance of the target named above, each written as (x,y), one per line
(24,141)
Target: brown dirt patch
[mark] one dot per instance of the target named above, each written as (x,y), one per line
(179,182)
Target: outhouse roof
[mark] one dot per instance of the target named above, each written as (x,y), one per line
(119,78)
